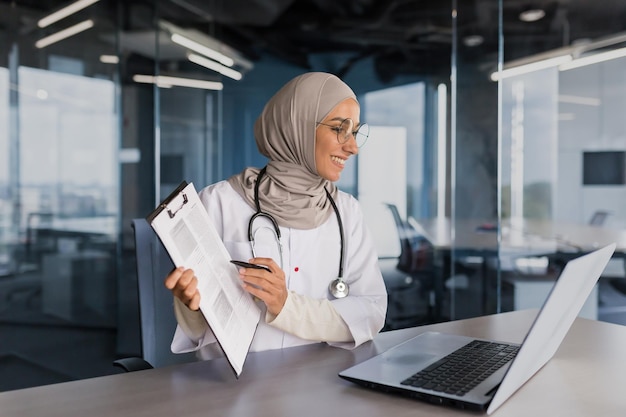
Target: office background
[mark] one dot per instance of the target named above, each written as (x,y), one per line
(90,139)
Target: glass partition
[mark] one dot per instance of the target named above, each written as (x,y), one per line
(469,231)
(483,174)
(562,163)
(59,191)
(189,137)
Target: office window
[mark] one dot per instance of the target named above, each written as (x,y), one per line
(70,167)
(4,126)
(7,231)
(529,144)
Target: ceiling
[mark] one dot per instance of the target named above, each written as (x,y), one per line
(400,36)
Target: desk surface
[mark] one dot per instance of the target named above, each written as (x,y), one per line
(525,235)
(105,225)
(587,377)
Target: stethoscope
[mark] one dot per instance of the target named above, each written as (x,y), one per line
(338,288)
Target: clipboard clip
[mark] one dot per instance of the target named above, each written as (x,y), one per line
(172,213)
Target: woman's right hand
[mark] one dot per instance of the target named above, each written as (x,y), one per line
(184,285)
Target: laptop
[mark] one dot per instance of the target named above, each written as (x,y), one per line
(415,367)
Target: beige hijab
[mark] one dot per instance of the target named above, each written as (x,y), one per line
(291,190)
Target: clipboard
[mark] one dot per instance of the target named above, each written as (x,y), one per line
(184,227)
(164,204)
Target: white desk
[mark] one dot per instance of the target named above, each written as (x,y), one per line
(462,238)
(587,377)
(538,236)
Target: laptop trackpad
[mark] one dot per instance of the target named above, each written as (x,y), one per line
(422,350)
(409,358)
(403,360)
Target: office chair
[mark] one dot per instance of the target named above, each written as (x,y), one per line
(412,278)
(619,284)
(157,319)
(598,218)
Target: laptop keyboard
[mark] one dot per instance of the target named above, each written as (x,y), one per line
(463,369)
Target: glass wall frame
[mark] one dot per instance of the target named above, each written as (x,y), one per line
(59,192)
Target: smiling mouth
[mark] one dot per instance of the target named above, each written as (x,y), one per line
(338,160)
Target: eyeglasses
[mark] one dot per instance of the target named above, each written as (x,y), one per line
(345,129)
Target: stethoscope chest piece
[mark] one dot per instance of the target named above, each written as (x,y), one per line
(338,288)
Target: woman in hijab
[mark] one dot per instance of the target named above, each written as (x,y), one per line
(307,130)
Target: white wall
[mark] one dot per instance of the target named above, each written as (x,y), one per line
(595,123)
(382,179)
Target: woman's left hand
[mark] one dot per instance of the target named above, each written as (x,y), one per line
(268,286)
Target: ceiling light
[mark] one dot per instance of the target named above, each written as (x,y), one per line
(150,79)
(109,59)
(473,40)
(167,81)
(63,34)
(583,101)
(205,45)
(532,15)
(65,12)
(215,66)
(202,49)
(593,59)
(533,66)
(566,58)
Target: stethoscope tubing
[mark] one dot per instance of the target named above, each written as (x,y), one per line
(259,213)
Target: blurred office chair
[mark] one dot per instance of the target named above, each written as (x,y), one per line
(599,218)
(410,281)
(157,319)
(415,250)
(620,283)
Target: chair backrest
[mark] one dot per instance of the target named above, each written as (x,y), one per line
(157,319)
(598,218)
(415,250)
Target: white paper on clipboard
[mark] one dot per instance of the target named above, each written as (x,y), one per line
(186,231)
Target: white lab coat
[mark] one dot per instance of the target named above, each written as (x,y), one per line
(310,260)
